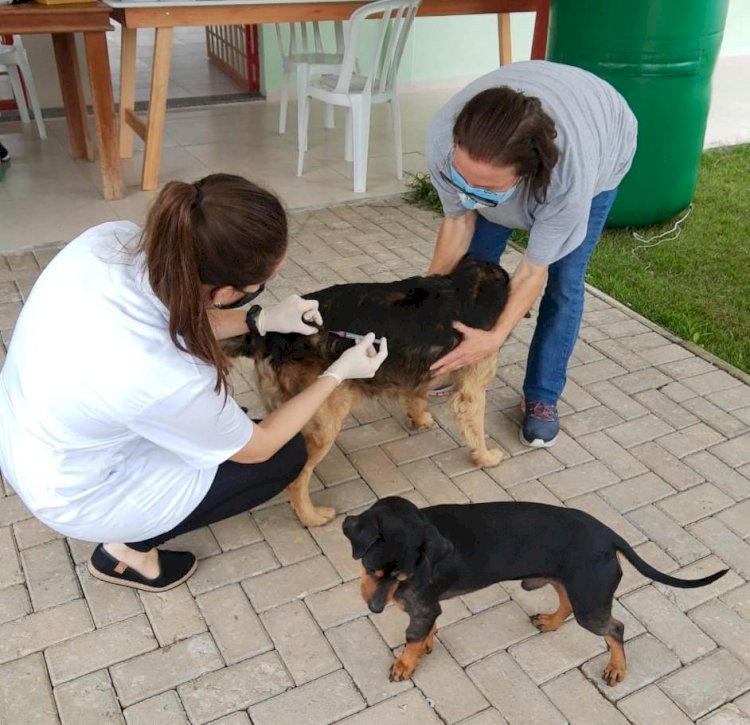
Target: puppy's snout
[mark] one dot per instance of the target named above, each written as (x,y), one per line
(376,605)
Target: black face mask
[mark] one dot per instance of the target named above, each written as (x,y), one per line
(247,297)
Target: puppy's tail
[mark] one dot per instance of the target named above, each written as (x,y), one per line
(647,570)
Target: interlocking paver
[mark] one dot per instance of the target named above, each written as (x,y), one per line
(580,702)
(18,680)
(675,472)
(636,492)
(101,648)
(695,503)
(578,480)
(687,599)
(655,442)
(447,687)
(300,643)
(236,687)
(664,620)
(648,660)
(727,545)
(292,582)
(40,630)
(234,625)
(89,700)
(10,566)
(14,603)
(668,534)
(713,469)
(281,529)
(154,672)
(367,658)
(650,705)
(164,709)
(511,691)
(707,683)
(486,632)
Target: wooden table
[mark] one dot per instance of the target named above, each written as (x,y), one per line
(164,15)
(62,21)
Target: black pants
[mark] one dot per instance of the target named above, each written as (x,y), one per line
(238,487)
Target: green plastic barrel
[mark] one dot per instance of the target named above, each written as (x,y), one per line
(659,54)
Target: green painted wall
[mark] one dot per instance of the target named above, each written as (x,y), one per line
(459,48)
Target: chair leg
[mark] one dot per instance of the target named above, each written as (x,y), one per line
(303,72)
(348,154)
(283,102)
(34,99)
(397,145)
(304,104)
(330,118)
(361,138)
(17,86)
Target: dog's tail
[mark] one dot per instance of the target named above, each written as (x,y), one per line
(647,570)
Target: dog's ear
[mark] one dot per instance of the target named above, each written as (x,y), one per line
(362,531)
(435,548)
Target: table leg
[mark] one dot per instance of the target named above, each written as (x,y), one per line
(69,74)
(157,108)
(539,41)
(503,35)
(103,102)
(127,89)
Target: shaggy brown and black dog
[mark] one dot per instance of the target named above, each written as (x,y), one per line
(416,316)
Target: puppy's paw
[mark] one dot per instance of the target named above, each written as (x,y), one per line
(488,457)
(545,622)
(401,669)
(317,516)
(614,673)
(422,422)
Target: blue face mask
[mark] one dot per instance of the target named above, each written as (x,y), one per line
(472,197)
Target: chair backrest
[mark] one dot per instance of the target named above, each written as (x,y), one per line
(305,37)
(396,19)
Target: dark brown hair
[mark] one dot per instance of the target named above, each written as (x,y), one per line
(222,230)
(503,127)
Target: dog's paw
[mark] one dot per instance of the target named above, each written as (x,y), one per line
(318,516)
(545,622)
(614,673)
(401,669)
(487,458)
(422,422)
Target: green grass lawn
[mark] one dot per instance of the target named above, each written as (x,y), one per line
(698,285)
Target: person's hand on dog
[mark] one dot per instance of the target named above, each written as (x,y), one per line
(292,314)
(476,345)
(360,360)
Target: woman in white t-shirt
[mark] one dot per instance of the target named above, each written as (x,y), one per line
(116,424)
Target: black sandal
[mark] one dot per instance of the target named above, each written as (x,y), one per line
(175,567)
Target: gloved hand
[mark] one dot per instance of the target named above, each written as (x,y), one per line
(359,361)
(290,315)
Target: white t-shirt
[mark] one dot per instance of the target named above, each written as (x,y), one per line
(108,432)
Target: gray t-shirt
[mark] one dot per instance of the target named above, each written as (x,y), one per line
(596,135)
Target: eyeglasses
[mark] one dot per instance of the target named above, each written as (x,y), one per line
(478,200)
(242,301)
(470,196)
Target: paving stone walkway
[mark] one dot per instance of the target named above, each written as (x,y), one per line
(271,629)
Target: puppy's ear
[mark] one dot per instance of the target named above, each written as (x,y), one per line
(436,548)
(362,532)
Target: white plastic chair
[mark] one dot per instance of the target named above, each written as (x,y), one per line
(359,92)
(13,58)
(305,53)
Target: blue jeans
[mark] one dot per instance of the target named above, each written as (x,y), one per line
(561,309)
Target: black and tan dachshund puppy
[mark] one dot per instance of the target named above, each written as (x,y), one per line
(416,315)
(417,557)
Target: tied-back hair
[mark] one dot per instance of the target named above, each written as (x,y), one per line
(222,230)
(503,127)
